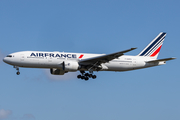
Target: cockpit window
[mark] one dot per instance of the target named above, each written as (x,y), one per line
(9,56)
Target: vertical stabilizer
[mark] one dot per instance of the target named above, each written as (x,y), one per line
(153,49)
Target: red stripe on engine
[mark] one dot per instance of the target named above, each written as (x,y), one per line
(156,52)
(81,56)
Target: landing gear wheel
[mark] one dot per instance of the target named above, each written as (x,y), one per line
(18,73)
(79,76)
(82,77)
(87,74)
(86,78)
(94,76)
(17,68)
(90,75)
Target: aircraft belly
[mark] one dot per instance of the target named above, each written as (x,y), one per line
(39,63)
(115,66)
(124,66)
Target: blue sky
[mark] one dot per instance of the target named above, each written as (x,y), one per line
(94,26)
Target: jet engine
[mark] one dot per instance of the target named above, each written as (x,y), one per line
(56,71)
(67,66)
(71,66)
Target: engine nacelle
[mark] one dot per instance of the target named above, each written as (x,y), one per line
(56,71)
(71,66)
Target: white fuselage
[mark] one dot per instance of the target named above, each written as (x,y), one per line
(60,63)
(38,59)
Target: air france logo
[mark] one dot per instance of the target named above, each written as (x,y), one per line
(53,55)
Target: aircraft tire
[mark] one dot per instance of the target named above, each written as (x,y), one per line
(79,76)
(86,78)
(87,74)
(82,77)
(18,73)
(94,76)
(90,75)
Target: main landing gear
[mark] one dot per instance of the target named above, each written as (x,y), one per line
(86,76)
(17,68)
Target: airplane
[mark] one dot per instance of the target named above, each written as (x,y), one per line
(60,63)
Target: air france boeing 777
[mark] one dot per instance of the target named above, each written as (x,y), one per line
(60,63)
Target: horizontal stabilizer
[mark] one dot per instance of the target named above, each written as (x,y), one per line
(161,60)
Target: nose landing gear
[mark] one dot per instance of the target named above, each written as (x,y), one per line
(86,76)
(18,73)
(17,68)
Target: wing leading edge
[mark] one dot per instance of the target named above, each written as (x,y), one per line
(103,58)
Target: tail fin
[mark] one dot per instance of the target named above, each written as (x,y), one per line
(152,50)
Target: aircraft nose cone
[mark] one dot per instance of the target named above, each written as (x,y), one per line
(5,60)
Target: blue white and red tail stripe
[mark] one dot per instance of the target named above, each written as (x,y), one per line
(153,49)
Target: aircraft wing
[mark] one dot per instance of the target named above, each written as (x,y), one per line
(160,60)
(103,58)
